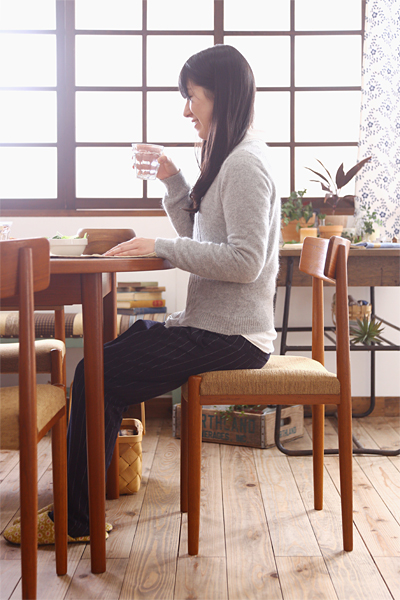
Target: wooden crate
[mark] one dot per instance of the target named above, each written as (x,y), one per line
(253,429)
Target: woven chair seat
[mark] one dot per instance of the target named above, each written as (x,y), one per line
(50,400)
(282,375)
(9,355)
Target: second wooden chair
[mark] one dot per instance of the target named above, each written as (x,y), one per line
(284,380)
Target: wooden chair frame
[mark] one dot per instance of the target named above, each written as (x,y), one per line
(25,268)
(325,261)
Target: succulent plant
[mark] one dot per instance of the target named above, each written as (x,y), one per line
(366,331)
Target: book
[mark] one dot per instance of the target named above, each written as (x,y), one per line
(125,289)
(138,296)
(129,286)
(139,303)
(142,310)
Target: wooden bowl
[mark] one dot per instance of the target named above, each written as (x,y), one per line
(101,240)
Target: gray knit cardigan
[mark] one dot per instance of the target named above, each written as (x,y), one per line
(231,247)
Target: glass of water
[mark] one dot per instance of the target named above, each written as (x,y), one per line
(145,160)
(5,228)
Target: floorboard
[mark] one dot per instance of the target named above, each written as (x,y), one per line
(260,535)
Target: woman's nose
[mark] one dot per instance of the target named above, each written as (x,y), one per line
(186,111)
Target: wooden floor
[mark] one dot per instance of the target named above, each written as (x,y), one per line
(260,537)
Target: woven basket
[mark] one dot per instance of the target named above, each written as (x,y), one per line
(356,311)
(130,456)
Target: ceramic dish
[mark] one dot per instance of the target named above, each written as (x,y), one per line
(68,247)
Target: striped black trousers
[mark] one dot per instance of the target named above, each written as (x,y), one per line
(147,360)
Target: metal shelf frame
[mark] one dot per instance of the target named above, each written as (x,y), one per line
(385,345)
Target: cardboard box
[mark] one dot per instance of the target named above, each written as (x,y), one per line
(253,429)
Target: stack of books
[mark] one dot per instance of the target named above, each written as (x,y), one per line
(141,300)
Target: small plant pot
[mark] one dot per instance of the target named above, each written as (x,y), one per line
(290,232)
(327,231)
(370,237)
(307,232)
(337,220)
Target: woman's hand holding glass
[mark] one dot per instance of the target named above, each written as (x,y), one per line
(166,168)
(134,247)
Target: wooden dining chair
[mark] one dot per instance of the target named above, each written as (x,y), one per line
(28,411)
(284,380)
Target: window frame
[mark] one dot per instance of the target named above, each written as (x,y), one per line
(66,203)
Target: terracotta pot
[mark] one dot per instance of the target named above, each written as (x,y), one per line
(290,233)
(327,231)
(336,220)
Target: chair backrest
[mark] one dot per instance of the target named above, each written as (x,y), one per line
(10,257)
(25,268)
(319,256)
(326,260)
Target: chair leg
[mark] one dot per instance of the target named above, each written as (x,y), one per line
(143,416)
(29,508)
(112,483)
(194,458)
(346,473)
(318,424)
(184,455)
(59,455)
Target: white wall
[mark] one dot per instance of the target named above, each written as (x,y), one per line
(175,280)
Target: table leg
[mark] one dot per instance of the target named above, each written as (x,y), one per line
(110,333)
(92,308)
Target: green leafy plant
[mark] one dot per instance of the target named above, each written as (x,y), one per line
(59,236)
(366,331)
(333,186)
(353,238)
(369,219)
(294,209)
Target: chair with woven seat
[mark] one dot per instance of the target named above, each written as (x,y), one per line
(285,380)
(28,411)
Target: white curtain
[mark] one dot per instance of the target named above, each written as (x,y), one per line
(378,182)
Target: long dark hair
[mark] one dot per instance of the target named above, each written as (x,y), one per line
(224,72)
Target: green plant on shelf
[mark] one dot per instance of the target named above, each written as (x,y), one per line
(294,209)
(352,237)
(366,331)
(369,218)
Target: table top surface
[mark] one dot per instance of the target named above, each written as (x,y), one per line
(82,264)
(354,252)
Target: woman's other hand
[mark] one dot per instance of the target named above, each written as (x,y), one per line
(167,168)
(134,247)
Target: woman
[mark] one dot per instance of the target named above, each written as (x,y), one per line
(227,237)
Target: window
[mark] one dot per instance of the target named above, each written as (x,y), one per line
(83,79)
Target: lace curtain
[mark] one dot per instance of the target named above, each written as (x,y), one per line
(378,182)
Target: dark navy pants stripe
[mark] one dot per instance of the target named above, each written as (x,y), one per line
(147,360)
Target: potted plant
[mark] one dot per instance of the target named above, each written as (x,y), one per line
(294,215)
(369,219)
(332,187)
(366,331)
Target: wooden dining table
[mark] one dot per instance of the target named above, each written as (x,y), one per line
(91,281)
